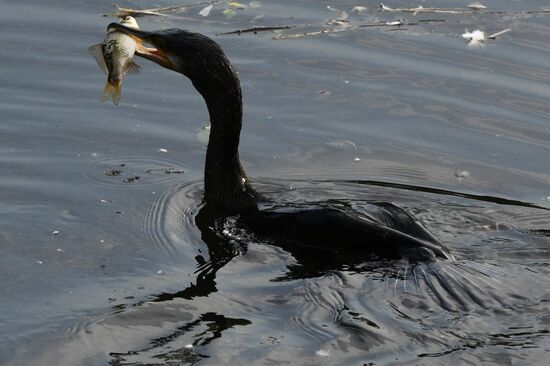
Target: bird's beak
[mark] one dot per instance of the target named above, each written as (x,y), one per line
(154,54)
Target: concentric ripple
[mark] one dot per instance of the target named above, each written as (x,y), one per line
(169,221)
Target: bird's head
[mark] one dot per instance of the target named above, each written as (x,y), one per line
(191,54)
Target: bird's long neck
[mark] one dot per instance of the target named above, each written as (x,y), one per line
(226,184)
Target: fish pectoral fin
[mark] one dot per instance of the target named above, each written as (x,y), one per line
(97,52)
(131,67)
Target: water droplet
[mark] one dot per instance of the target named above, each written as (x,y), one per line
(356,158)
(160,272)
(55,232)
(163,150)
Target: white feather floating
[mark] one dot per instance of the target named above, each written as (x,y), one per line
(475,38)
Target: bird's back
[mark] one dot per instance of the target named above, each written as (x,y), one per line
(382,230)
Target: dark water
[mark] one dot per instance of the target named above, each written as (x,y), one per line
(96,270)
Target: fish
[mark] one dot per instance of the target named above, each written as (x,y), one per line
(114,56)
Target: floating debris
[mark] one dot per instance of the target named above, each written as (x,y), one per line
(475,38)
(356,159)
(130,179)
(236,5)
(421,9)
(462,174)
(160,272)
(206,11)
(255,4)
(322,353)
(397,22)
(188,346)
(342,18)
(477,6)
(418,9)
(495,35)
(168,170)
(257,29)
(105,201)
(122,12)
(55,232)
(163,150)
(114,172)
(473,8)
(359,9)
(229,13)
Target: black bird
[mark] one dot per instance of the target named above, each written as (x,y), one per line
(383,230)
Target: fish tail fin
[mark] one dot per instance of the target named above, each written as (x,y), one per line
(107,92)
(116,94)
(112,91)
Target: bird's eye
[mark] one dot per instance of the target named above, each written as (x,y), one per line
(127,19)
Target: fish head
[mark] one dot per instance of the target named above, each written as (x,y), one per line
(129,21)
(157,54)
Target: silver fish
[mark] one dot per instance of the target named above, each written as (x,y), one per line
(114,57)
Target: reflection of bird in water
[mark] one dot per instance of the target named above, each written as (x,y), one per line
(382,230)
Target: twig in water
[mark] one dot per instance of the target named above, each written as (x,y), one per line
(495,35)
(421,9)
(122,12)
(156,11)
(257,29)
(470,11)
(309,34)
(354,27)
